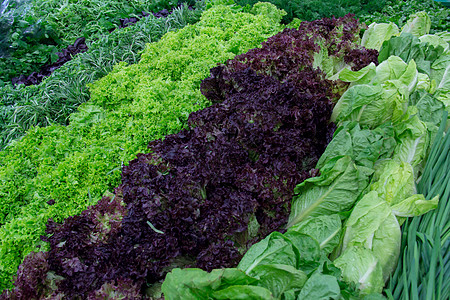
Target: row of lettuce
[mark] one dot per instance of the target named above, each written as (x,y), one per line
(387,116)
(344,230)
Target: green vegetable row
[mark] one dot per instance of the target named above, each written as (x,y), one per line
(344,237)
(76,164)
(35,30)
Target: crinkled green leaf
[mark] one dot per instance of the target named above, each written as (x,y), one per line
(418,24)
(244,292)
(394,68)
(198,284)
(414,205)
(308,249)
(279,279)
(325,229)
(429,59)
(365,75)
(333,192)
(367,216)
(373,226)
(364,146)
(360,266)
(393,181)
(434,40)
(320,287)
(429,108)
(414,140)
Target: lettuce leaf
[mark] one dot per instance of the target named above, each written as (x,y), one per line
(383,99)
(334,191)
(360,266)
(325,229)
(196,284)
(372,226)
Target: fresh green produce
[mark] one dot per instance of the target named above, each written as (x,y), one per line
(228,187)
(59,95)
(56,171)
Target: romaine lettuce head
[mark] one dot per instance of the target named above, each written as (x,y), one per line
(360,266)
(443,89)
(429,108)
(385,98)
(364,146)
(393,181)
(376,34)
(418,24)
(394,68)
(413,138)
(424,83)
(430,59)
(373,226)
(334,191)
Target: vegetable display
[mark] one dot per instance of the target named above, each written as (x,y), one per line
(314,166)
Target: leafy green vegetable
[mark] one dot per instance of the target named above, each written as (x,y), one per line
(373,226)
(320,287)
(334,191)
(430,60)
(360,266)
(414,141)
(418,24)
(279,279)
(243,292)
(384,99)
(274,249)
(377,33)
(75,165)
(195,283)
(325,229)
(364,146)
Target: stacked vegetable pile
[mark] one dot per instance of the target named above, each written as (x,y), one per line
(34,31)
(205,196)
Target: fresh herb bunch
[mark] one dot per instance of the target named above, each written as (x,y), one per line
(60,94)
(36,31)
